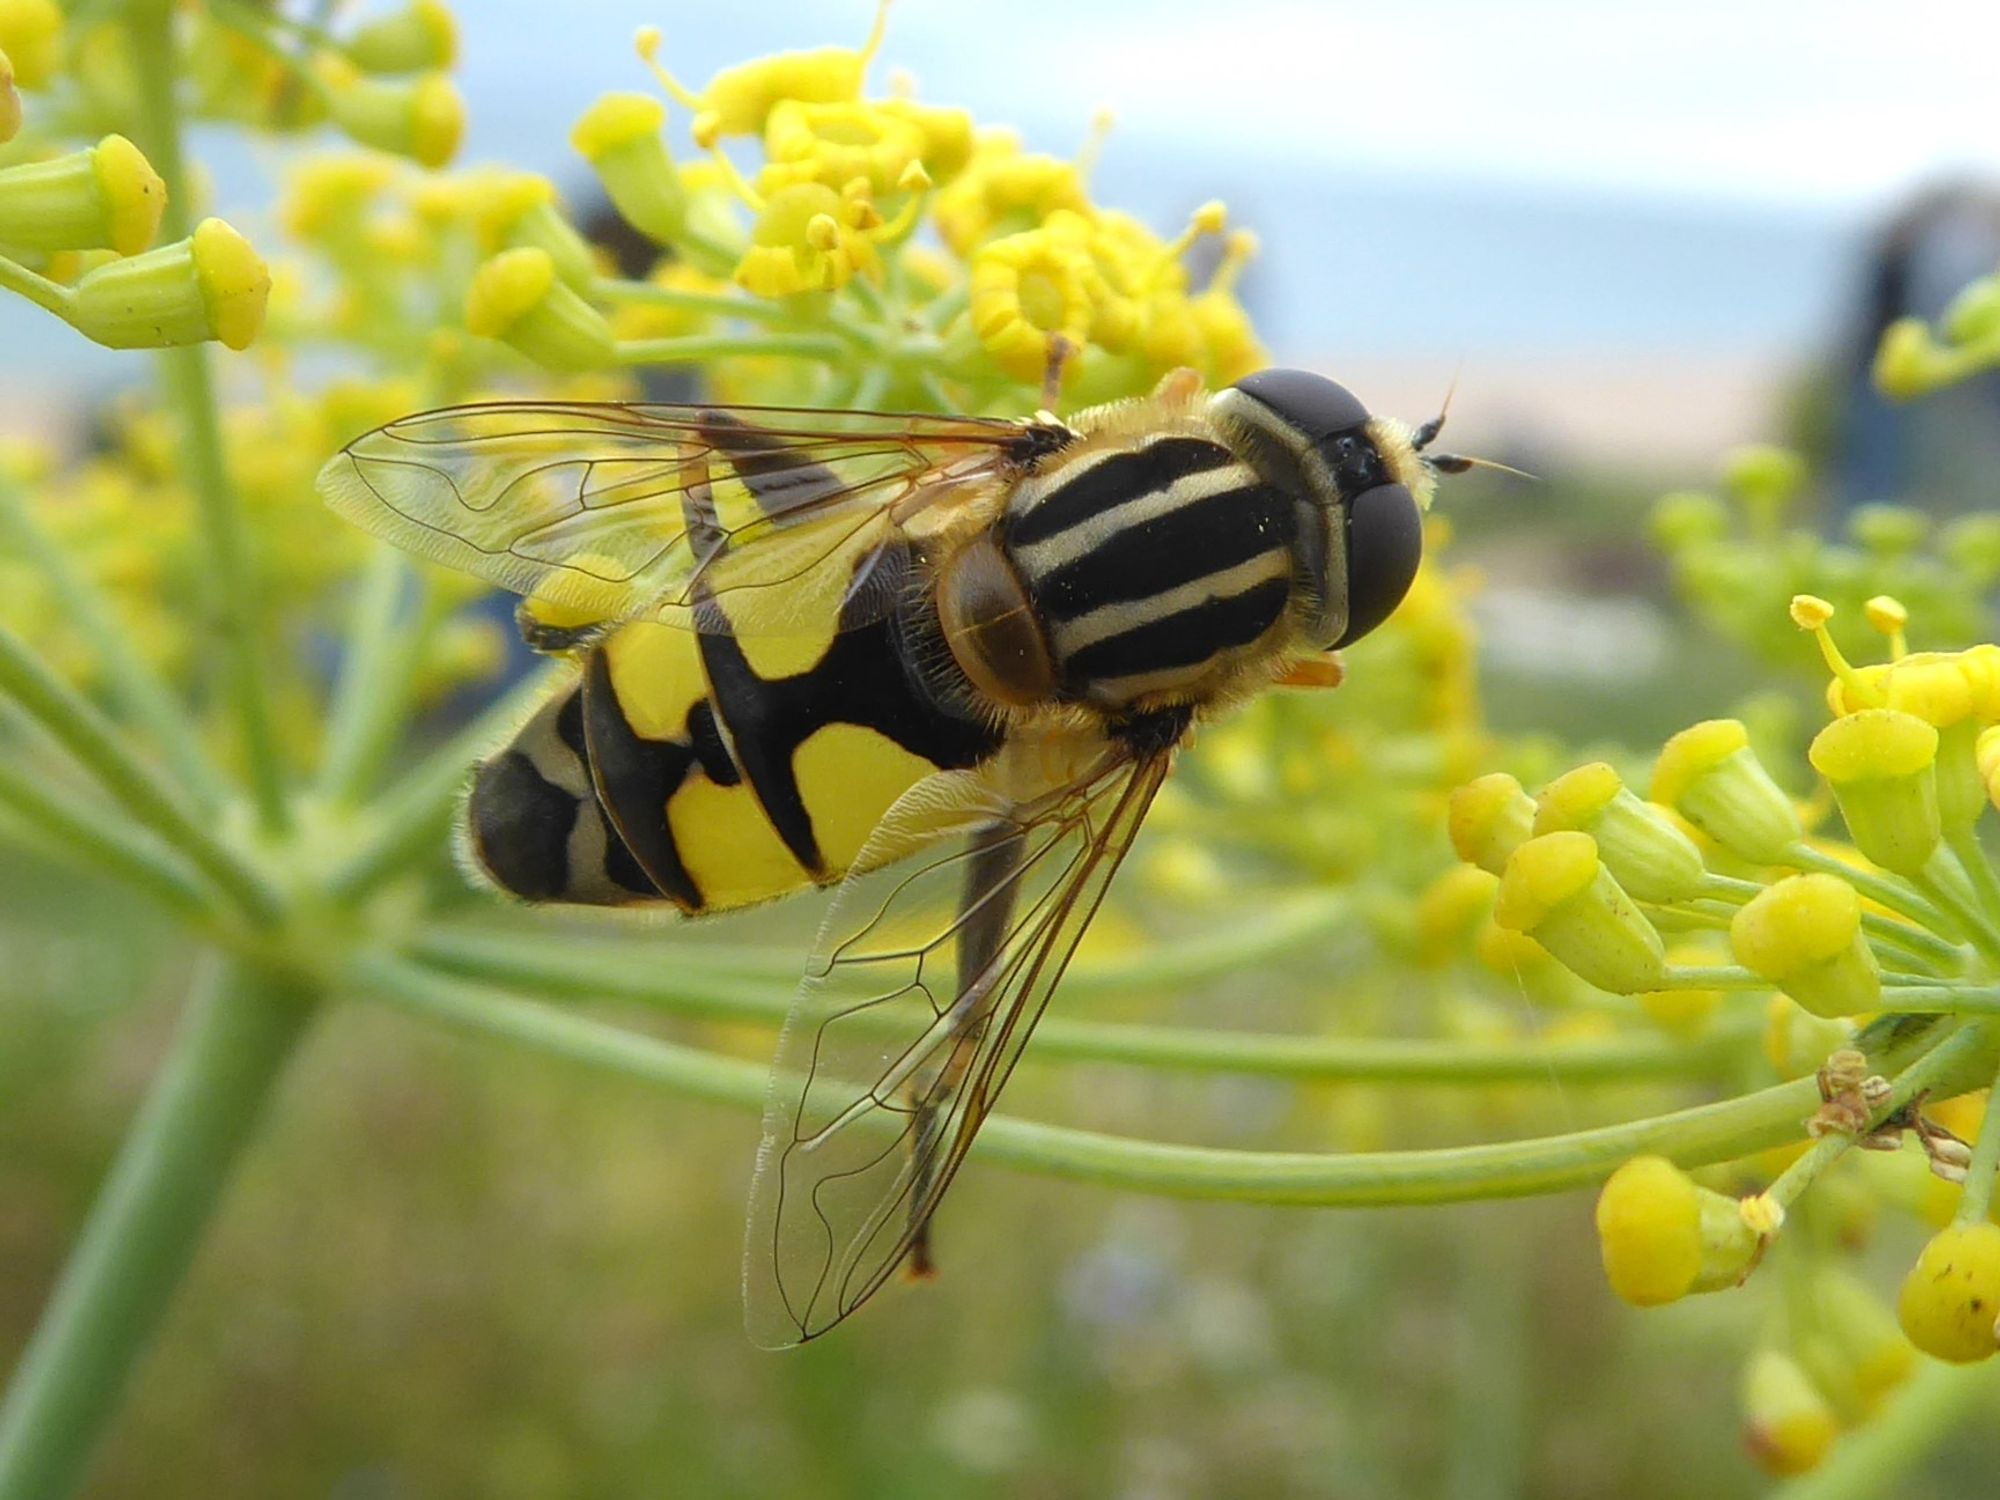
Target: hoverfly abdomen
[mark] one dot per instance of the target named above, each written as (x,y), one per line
(1150,568)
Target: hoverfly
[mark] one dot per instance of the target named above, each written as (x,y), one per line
(811,644)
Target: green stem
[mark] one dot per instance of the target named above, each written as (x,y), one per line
(384,643)
(84,732)
(50,296)
(412,818)
(695,348)
(1978,1194)
(1941,890)
(235,596)
(134,686)
(673,981)
(1875,1459)
(1707,1133)
(1974,865)
(75,829)
(712,304)
(149,1217)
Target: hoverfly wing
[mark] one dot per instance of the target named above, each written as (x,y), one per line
(913,1011)
(610,512)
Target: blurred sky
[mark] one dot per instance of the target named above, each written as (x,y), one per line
(1433,180)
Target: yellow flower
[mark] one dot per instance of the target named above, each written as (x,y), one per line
(1709,774)
(1557,891)
(31,34)
(108,197)
(1951,1297)
(1003,191)
(423,35)
(1788,1426)
(1664,1236)
(1489,819)
(422,118)
(1879,762)
(328,194)
(807,238)
(1028,289)
(1804,935)
(209,286)
(1651,858)
(833,144)
(517,297)
(739,100)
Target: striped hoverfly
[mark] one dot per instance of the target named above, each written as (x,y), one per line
(814,644)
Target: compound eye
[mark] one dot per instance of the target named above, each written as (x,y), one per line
(1385,542)
(1308,403)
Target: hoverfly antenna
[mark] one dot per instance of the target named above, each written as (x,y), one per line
(1425,435)
(1458,463)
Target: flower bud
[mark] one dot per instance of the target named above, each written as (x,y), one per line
(1879,763)
(1450,910)
(1664,1236)
(1974,314)
(1709,774)
(422,118)
(1763,477)
(416,39)
(1489,818)
(1858,1355)
(211,285)
(1556,890)
(31,35)
(619,136)
(519,208)
(1804,935)
(1647,855)
(1908,362)
(1952,1295)
(1788,1426)
(517,298)
(106,198)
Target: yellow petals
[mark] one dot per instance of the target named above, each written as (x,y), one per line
(209,286)
(1005,191)
(516,297)
(31,36)
(1663,1236)
(1027,290)
(106,198)
(1951,1296)
(834,144)
(1804,935)
(1488,819)
(739,100)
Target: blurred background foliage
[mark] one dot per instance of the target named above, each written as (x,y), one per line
(448,1267)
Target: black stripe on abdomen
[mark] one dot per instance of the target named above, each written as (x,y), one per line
(1096,486)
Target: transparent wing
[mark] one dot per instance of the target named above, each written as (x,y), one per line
(617,511)
(911,1017)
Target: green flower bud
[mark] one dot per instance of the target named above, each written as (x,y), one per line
(1645,853)
(1688,517)
(1888,530)
(1488,820)
(416,39)
(521,209)
(1804,935)
(518,299)
(619,136)
(422,118)
(211,285)
(1879,763)
(1974,314)
(1709,774)
(1763,477)
(1557,891)
(106,198)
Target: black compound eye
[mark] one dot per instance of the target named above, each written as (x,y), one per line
(1309,403)
(1385,542)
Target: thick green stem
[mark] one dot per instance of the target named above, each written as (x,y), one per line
(1692,1137)
(74,723)
(384,642)
(48,295)
(236,596)
(162,1191)
(675,980)
(134,687)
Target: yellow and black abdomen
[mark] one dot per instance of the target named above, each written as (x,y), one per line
(712,772)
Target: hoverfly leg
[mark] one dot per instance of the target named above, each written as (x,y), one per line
(986,909)
(1061,350)
(1314,672)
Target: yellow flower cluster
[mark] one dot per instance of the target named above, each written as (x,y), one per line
(882,252)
